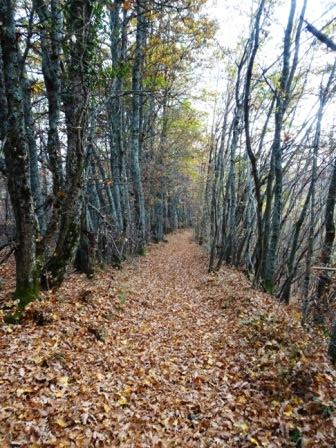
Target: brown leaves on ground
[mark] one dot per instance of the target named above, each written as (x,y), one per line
(162,354)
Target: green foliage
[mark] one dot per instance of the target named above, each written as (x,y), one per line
(110,72)
(27,294)
(158,81)
(13,318)
(122,296)
(295,435)
(142,251)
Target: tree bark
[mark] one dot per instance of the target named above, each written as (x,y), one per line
(16,153)
(139,201)
(75,98)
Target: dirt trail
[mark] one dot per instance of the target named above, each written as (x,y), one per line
(164,355)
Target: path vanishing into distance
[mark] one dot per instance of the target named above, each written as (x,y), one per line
(163,354)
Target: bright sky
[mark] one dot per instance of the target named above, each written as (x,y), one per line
(233,21)
(232,15)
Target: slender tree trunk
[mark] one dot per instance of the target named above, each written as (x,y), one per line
(324,92)
(16,153)
(115,113)
(52,23)
(205,200)
(252,158)
(229,206)
(33,159)
(139,201)
(75,100)
(276,158)
(329,237)
(218,176)
(291,266)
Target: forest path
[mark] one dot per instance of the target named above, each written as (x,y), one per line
(163,355)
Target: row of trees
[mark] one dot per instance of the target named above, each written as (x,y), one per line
(98,141)
(270,188)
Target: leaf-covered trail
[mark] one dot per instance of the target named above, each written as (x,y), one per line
(162,354)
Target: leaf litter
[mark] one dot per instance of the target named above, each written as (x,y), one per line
(163,354)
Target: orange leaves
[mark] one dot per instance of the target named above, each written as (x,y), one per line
(61,194)
(190,360)
(127,5)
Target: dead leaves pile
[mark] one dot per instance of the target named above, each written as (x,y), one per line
(162,354)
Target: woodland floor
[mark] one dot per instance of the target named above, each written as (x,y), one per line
(162,354)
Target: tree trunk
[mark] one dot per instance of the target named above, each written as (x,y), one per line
(16,152)
(75,98)
(139,202)
(51,19)
(276,158)
(318,313)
